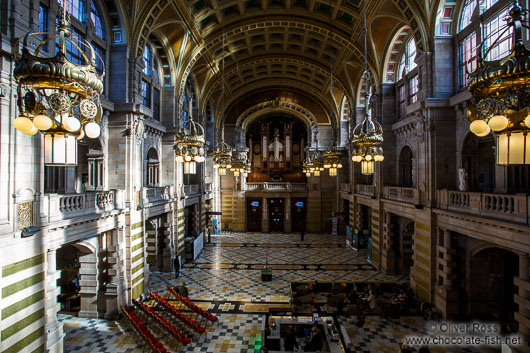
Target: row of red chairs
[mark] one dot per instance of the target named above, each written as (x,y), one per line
(192,306)
(175,332)
(145,333)
(177,313)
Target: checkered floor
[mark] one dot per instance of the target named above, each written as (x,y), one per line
(226,280)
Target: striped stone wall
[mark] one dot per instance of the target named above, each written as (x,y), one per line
(233,209)
(422,271)
(137,258)
(180,230)
(22,305)
(377,222)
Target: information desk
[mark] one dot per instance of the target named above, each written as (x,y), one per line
(275,326)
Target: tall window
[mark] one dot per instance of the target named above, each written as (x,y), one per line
(413,89)
(467,58)
(148,58)
(402,100)
(95,168)
(95,16)
(72,51)
(43,23)
(146,93)
(153,165)
(156,104)
(494,31)
(406,61)
(76,8)
(467,13)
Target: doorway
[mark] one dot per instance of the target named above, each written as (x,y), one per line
(298,214)
(276,215)
(254,213)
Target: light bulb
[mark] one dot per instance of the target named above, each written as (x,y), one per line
(229,166)
(179,159)
(216,166)
(200,159)
(327,165)
(23,124)
(334,165)
(308,174)
(339,165)
(356,158)
(236,173)
(368,157)
(187,158)
(42,122)
(498,122)
(317,172)
(92,130)
(479,127)
(71,124)
(31,131)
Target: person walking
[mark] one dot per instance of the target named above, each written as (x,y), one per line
(176,264)
(302,235)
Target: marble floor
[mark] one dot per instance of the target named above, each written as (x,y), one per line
(226,279)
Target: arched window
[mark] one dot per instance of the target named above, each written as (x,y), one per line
(406,164)
(406,61)
(151,78)
(148,61)
(76,8)
(153,165)
(467,13)
(95,16)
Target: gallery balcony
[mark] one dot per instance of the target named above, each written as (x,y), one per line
(156,194)
(78,205)
(506,207)
(365,189)
(397,193)
(276,186)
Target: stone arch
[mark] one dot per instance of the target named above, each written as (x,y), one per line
(446,18)
(392,56)
(406,167)
(258,110)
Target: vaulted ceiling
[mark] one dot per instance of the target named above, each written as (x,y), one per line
(238,48)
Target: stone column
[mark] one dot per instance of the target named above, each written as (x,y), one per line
(523,297)
(446,295)
(388,258)
(54,329)
(112,291)
(167,263)
(288,220)
(89,285)
(265,216)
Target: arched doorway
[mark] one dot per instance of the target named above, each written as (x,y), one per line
(406,174)
(491,285)
(478,160)
(404,247)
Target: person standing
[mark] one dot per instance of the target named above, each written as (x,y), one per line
(290,339)
(183,290)
(302,235)
(176,263)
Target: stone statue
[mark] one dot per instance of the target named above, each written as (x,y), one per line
(462,180)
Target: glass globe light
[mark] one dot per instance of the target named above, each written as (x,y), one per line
(81,135)
(42,122)
(179,159)
(236,173)
(479,127)
(31,131)
(317,172)
(92,130)
(339,165)
(356,158)
(308,174)
(368,157)
(187,158)
(216,166)
(498,122)
(23,124)
(485,132)
(71,124)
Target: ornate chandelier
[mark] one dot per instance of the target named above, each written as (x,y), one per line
(189,145)
(57,97)
(367,141)
(332,160)
(500,93)
(222,158)
(240,162)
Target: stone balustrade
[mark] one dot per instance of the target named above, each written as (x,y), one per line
(364,189)
(191,189)
(76,205)
(345,187)
(409,195)
(510,207)
(276,186)
(157,193)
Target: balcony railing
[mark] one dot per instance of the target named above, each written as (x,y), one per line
(504,206)
(363,189)
(345,187)
(410,195)
(76,205)
(156,193)
(191,189)
(274,186)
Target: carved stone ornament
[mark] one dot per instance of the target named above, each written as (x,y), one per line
(24,215)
